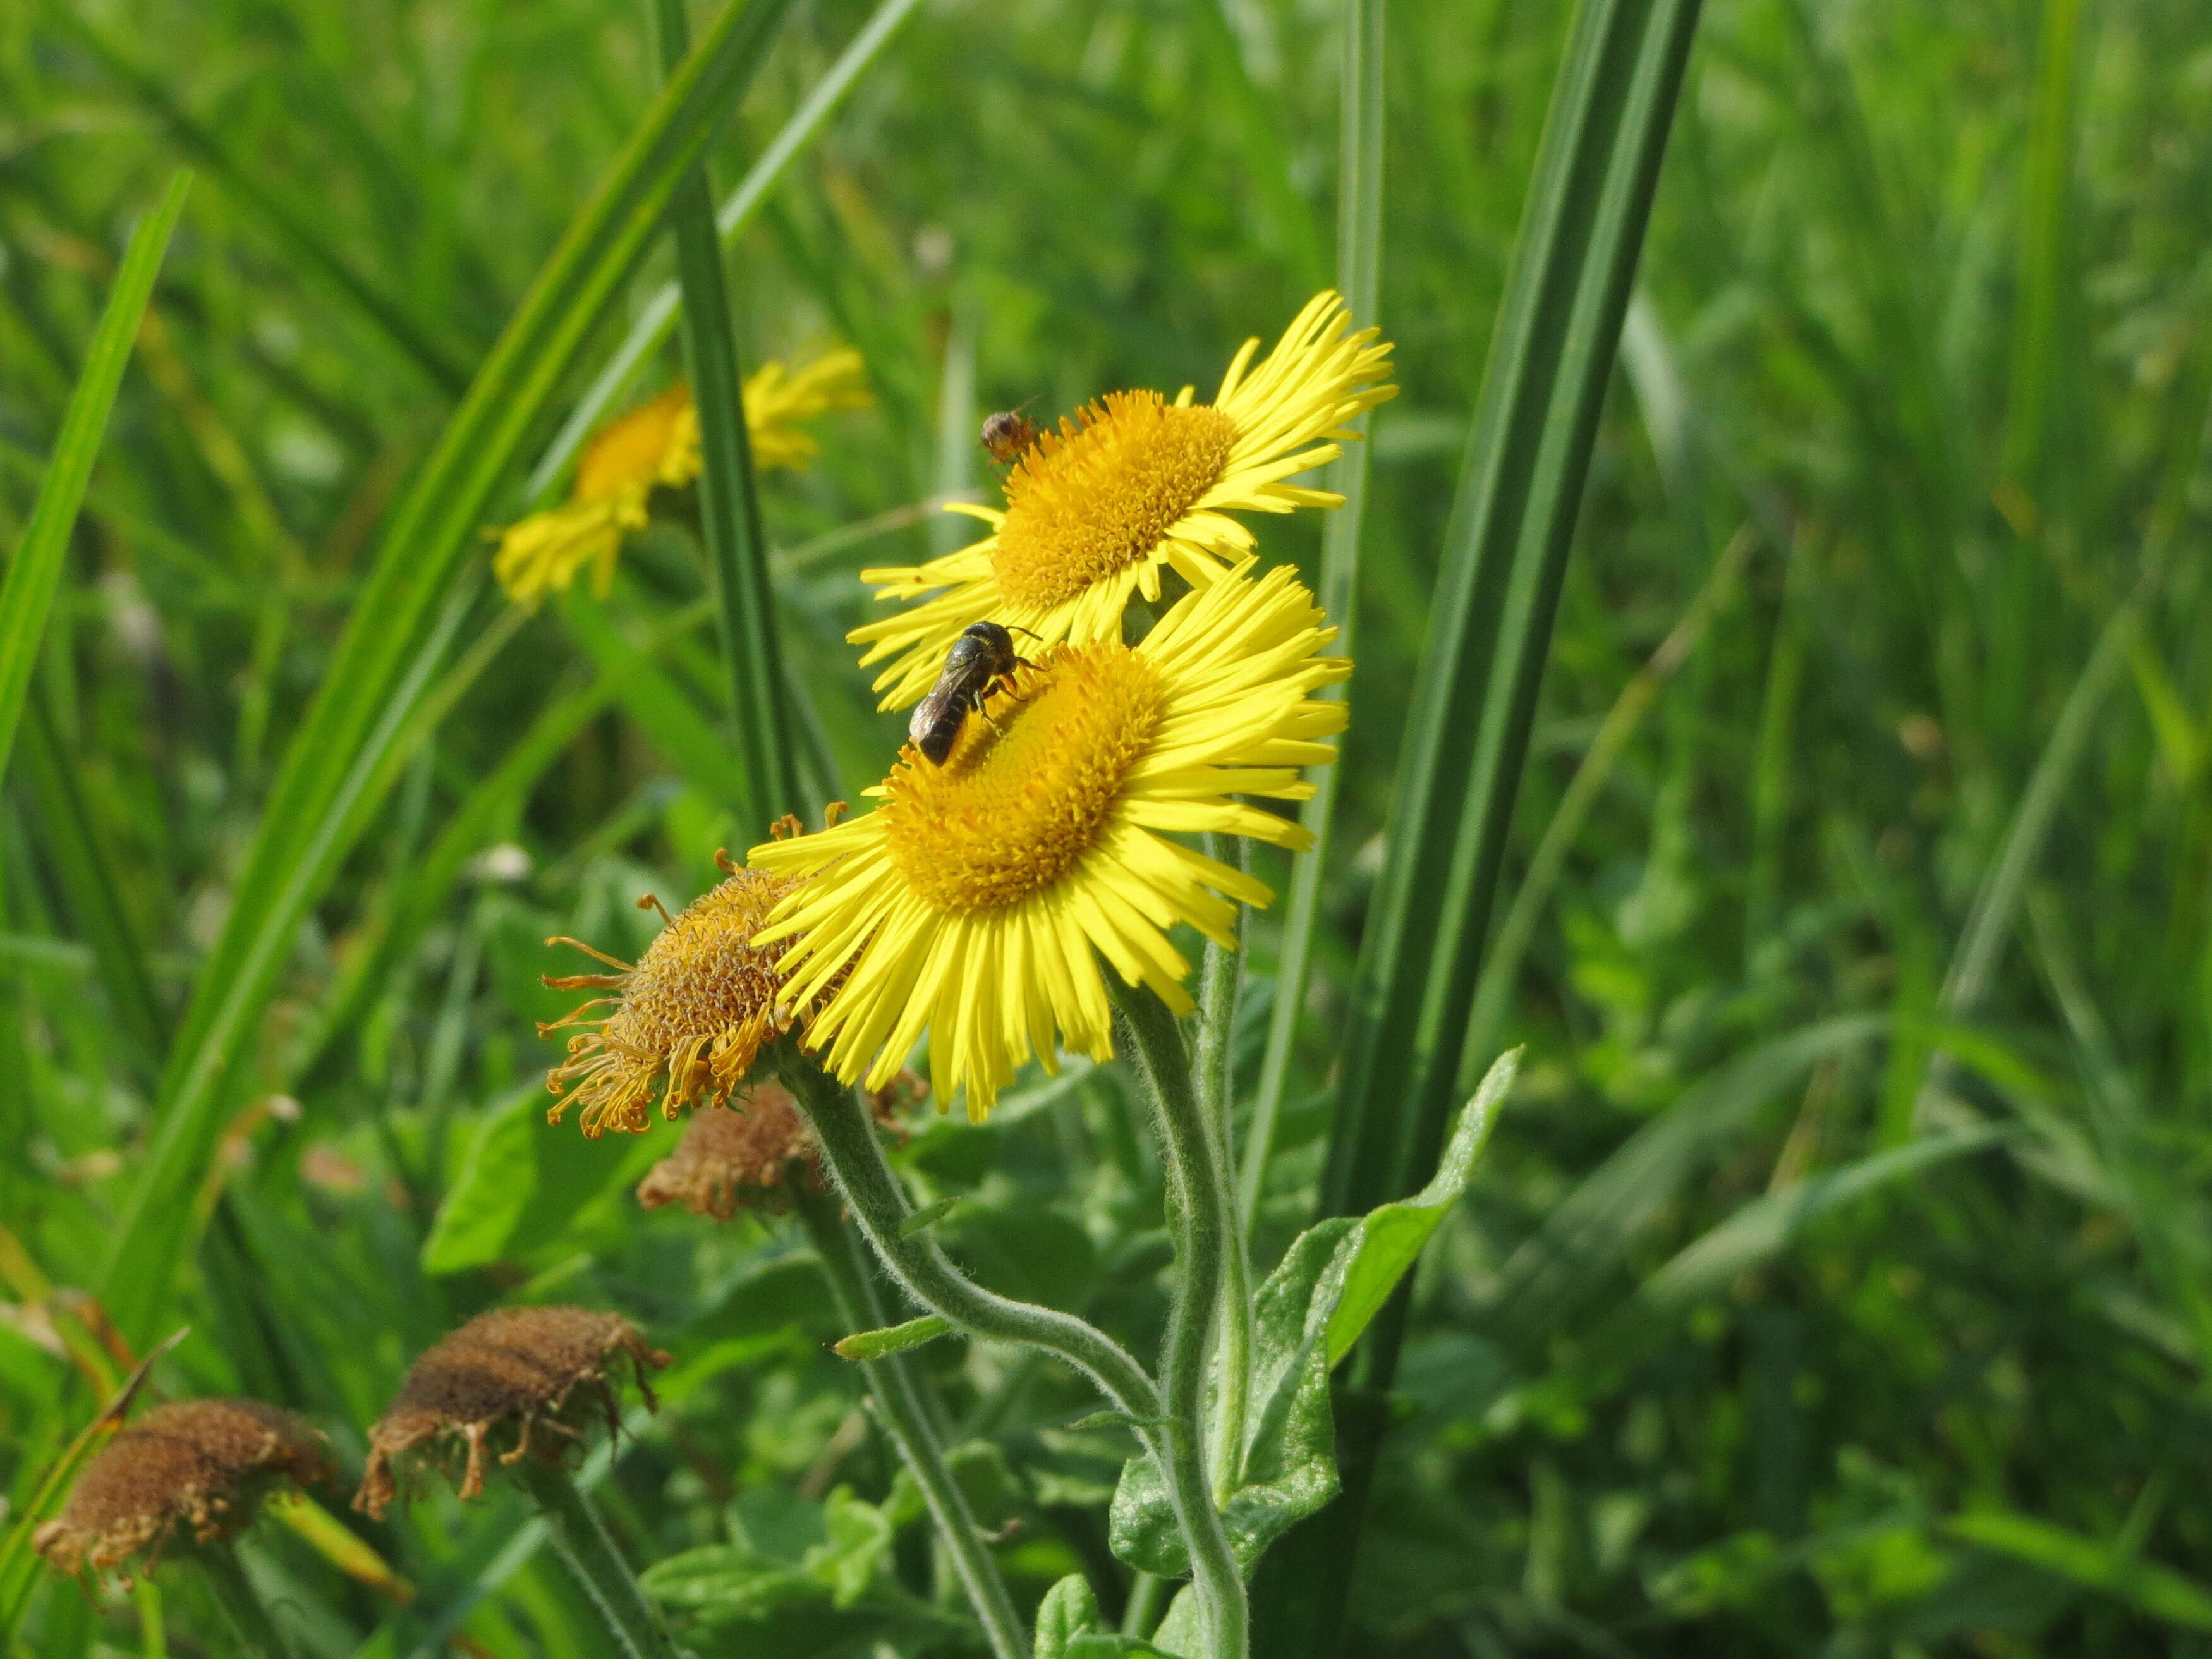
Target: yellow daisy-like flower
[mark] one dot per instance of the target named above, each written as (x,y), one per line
(970,902)
(1135,484)
(656,444)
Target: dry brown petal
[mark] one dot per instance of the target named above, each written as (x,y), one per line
(513,1369)
(201,1465)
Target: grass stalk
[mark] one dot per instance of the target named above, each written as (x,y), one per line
(730,530)
(1214,1072)
(258,1635)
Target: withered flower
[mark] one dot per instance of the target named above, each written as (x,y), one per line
(201,1467)
(690,1016)
(755,1153)
(503,1375)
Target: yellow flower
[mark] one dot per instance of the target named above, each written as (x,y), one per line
(656,444)
(970,902)
(691,1017)
(1136,483)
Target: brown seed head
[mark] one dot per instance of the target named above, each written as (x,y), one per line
(199,1465)
(752,1153)
(502,1374)
(691,1017)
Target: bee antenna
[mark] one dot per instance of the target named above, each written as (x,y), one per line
(1031,632)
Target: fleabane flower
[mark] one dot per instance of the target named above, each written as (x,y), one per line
(688,1019)
(974,901)
(656,446)
(1134,485)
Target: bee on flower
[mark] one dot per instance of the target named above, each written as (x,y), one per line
(655,445)
(974,901)
(1134,486)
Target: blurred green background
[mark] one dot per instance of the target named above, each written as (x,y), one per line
(1869,790)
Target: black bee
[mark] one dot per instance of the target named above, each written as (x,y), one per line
(1007,434)
(979,659)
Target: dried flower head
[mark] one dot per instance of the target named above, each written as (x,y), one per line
(692,1015)
(199,1466)
(499,1377)
(752,1153)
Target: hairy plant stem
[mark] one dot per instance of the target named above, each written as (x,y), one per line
(906,1417)
(847,1135)
(257,1634)
(593,1559)
(1202,1219)
(1220,978)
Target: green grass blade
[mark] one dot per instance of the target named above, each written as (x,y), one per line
(729,496)
(1359,279)
(84,869)
(656,319)
(36,571)
(2093,1564)
(289,220)
(1504,556)
(338,758)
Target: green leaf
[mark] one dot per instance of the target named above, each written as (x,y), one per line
(894,1339)
(1328,1286)
(2158,1591)
(860,1542)
(927,1217)
(1068,1613)
(1392,1236)
(36,571)
(523,1182)
(341,759)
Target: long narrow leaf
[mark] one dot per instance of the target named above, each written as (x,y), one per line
(334,764)
(36,571)
(729,496)
(1504,556)
(1359,279)
(1503,559)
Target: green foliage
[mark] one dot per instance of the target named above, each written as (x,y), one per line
(1838,1283)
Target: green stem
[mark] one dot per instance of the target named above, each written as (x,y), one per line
(906,1419)
(1219,977)
(591,1557)
(257,1632)
(846,1133)
(1142,1616)
(1202,1221)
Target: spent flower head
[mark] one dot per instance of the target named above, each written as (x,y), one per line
(752,1154)
(516,1380)
(1134,485)
(975,900)
(199,1469)
(655,445)
(689,1019)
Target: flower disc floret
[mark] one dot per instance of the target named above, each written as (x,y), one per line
(1134,486)
(974,903)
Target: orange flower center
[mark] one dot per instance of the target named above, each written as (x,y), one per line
(1088,501)
(1014,810)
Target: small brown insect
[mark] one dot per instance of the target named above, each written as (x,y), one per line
(1007,434)
(979,659)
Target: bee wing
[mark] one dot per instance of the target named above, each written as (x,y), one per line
(931,710)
